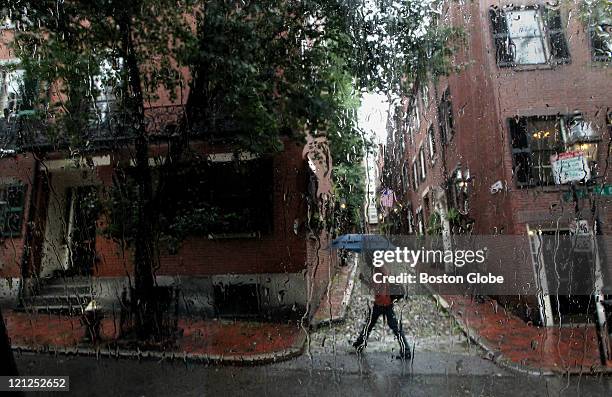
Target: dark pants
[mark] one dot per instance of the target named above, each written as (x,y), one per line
(388,313)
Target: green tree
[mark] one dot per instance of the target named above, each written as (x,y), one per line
(259,70)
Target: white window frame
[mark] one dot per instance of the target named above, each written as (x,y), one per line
(422,163)
(431,145)
(535,37)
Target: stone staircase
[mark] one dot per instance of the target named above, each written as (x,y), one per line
(61,295)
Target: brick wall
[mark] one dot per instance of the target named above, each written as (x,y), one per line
(281,251)
(484,96)
(16,169)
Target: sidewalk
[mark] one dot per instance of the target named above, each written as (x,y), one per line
(228,342)
(336,299)
(513,343)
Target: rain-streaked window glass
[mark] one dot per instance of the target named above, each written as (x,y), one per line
(536,139)
(525,32)
(528,36)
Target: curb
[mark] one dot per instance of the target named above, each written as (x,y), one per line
(216,359)
(346,299)
(499,359)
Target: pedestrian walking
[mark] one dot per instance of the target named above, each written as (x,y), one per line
(383,306)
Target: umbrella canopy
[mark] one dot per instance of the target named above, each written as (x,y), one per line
(361,242)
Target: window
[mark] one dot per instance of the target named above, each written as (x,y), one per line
(12,199)
(227,198)
(528,36)
(11,87)
(458,197)
(445,117)
(406,176)
(420,221)
(5,21)
(535,139)
(600,29)
(105,84)
(410,220)
(425,96)
(415,176)
(431,143)
(422,163)
(415,118)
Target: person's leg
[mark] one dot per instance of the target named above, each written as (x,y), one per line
(397,331)
(373,315)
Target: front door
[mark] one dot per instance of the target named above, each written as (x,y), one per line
(82,213)
(569,275)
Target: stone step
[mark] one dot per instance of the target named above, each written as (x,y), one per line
(48,299)
(56,309)
(66,289)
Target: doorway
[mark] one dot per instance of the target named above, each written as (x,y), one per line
(70,232)
(568,275)
(82,210)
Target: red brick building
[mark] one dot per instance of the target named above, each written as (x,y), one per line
(271,260)
(473,149)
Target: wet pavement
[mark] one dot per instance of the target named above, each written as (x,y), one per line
(431,374)
(427,326)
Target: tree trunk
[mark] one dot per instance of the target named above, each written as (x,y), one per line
(144,241)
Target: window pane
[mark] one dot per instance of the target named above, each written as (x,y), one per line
(525,35)
(529,51)
(523,23)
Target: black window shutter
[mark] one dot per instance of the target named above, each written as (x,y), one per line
(441,121)
(503,50)
(556,36)
(600,34)
(12,212)
(521,153)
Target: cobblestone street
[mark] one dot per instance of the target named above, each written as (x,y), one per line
(427,327)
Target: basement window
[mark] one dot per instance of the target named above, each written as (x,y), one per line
(237,300)
(528,36)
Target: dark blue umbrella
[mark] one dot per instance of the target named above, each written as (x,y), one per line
(361,242)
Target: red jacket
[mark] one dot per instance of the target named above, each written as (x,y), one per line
(381,297)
